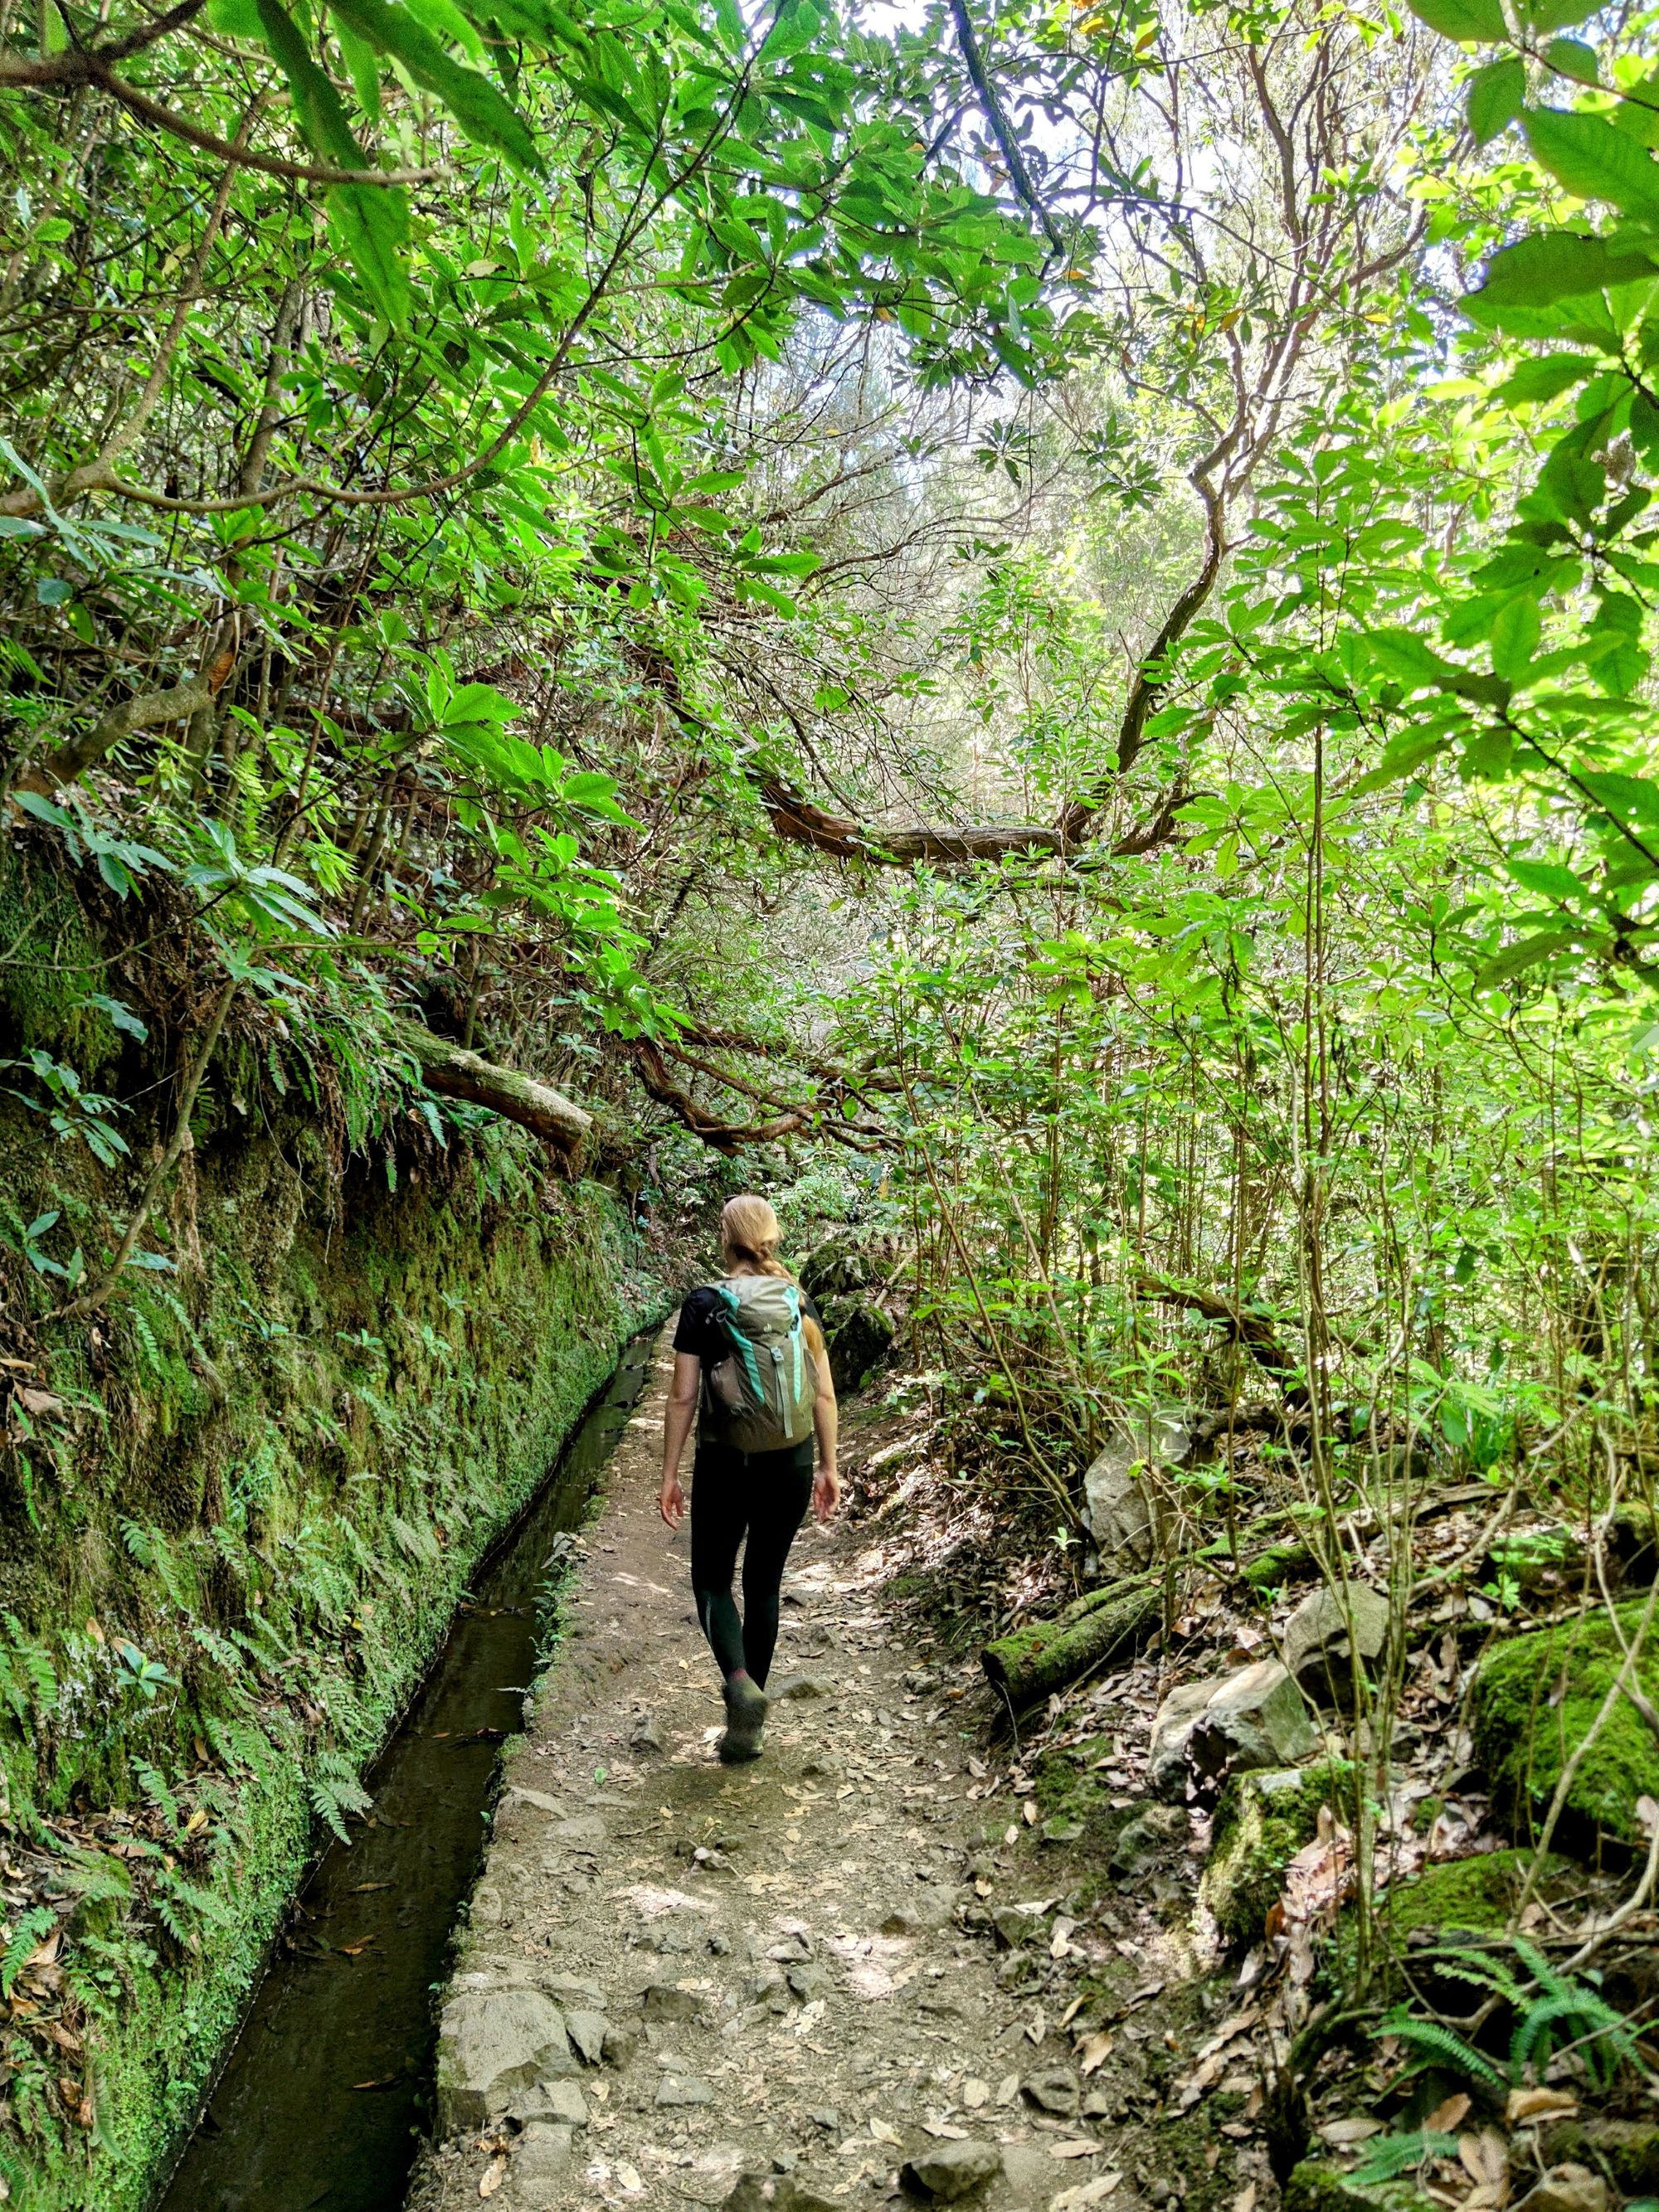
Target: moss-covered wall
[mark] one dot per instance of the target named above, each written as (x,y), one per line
(237,1506)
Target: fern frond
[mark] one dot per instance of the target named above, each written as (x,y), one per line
(1386,2158)
(1435,2044)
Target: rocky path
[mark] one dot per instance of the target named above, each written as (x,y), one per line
(785,1983)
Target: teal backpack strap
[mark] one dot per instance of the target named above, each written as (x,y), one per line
(738,1341)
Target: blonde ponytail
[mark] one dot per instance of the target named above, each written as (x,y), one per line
(750,1232)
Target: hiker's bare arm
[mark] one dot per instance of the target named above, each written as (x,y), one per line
(678,1414)
(826,1423)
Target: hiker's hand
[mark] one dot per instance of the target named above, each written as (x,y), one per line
(826,1492)
(671,1504)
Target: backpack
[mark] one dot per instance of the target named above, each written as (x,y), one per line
(760,1396)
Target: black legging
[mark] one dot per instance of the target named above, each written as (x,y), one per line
(765,1495)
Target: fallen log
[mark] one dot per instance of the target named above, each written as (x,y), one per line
(454,1073)
(1093,1631)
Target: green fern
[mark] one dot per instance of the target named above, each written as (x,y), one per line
(336,1791)
(1386,2157)
(25,1939)
(154,1783)
(1433,2044)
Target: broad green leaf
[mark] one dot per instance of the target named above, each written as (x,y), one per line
(1469,21)
(361,67)
(1631,798)
(1543,944)
(1549,878)
(1543,16)
(236,19)
(1536,380)
(1593,160)
(1552,265)
(1514,634)
(486,116)
(1574,58)
(1496,94)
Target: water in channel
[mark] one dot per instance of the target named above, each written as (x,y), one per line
(320,2107)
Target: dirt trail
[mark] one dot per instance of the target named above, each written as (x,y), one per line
(764,1971)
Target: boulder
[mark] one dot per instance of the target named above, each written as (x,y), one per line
(1326,1630)
(663,2000)
(491,2044)
(1533,1703)
(1166,1761)
(541,2156)
(948,2171)
(839,1267)
(587,2031)
(1256,1719)
(1124,1516)
(1261,1822)
(860,1336)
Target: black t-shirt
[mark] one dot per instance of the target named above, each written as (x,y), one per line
(699,1331)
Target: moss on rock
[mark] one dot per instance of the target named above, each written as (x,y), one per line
(1319,2184)
(1474,1895)
(1533,1703)
(1261,1822)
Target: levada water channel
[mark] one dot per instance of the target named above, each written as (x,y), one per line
(320,2107)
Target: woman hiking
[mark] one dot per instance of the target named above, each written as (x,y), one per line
(751,1369)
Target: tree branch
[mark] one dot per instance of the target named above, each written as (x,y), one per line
(454,1073)
(47,72)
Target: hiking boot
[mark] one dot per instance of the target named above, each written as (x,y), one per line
(745,1718)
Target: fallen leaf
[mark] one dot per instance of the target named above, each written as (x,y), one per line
(1060,1942)
(944,2130)
(883,2133)
(362,1889)
(1485,2158)
(356,1950)
(1072,2010)
(1525,2104)
(1037,2026)
(1356,2129)
(976,2092)
(1087,2193)
(1007,2089)
(492,2177)
(1078,2149)
(1028,1812)
(1245,2200)
(37,1401)
(1447,2116)
(1093,2051)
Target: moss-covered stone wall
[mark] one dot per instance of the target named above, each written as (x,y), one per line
(238,1504)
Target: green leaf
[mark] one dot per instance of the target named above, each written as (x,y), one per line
(236,19)
(1572,57)
(1514,634)
(316,103)
(1497,95)
(1548,879)
(1552,265)
(1631,797)
(1593,160)
(1469,21)
(374,228)
(1543,16)
(486,116)
(362,69)
(1536,380)
(1543,944)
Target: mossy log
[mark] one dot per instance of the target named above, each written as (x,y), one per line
(454,1073)
(1105,1624)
